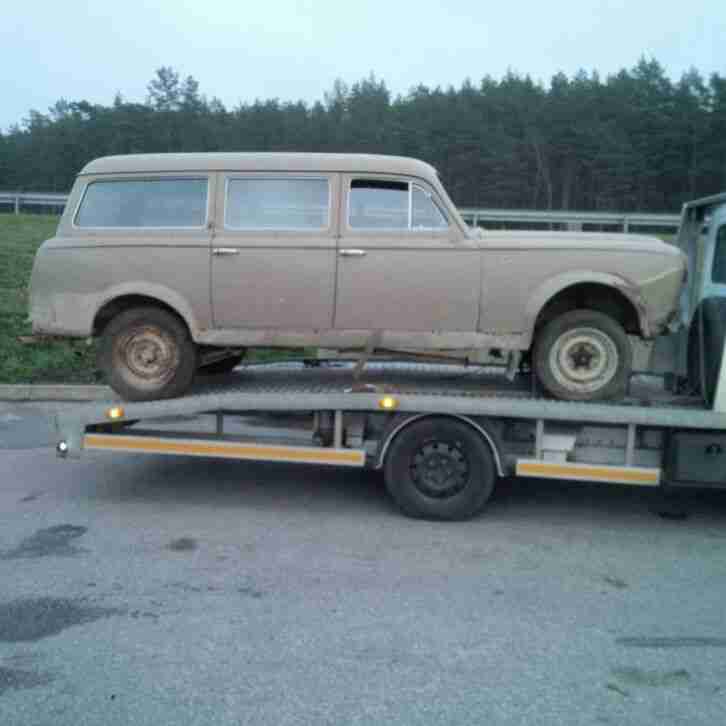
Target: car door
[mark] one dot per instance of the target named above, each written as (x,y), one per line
(273,253)
(403,265)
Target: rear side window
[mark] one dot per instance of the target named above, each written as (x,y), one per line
(718,271)
(392,205)
(144,203)
(277,203)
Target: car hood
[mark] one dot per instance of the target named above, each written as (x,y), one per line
(600,241)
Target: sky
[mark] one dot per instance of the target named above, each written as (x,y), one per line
(240,50)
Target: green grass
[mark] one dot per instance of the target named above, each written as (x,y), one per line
(52,362)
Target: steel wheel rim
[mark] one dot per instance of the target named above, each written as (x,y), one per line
(440,469)
(146,356)
(584,359)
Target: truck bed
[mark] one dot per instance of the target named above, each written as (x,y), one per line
(417,387)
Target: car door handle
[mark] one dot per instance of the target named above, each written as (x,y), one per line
(352,253)
(222,251)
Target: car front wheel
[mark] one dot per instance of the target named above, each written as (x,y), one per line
(583,355)
(147,353)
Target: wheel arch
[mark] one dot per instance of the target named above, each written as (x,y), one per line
(126,297)
(562,293)
(398,425)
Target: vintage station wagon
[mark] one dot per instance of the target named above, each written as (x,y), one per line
(180,262)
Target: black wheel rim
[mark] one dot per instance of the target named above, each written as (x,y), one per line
(440,469)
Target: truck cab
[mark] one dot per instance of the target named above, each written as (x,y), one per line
(702,238)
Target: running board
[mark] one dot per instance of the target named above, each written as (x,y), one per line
(224,449)
(633,475)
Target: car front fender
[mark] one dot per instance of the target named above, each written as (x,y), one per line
(553,286)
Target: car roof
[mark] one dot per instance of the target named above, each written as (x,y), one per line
(273,162)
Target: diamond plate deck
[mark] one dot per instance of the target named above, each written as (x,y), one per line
(403,378)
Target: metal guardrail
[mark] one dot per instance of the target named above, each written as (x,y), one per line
(475,217)
(18,200)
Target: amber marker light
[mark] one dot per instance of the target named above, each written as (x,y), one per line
(388,403)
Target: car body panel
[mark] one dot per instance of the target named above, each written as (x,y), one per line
(81,269)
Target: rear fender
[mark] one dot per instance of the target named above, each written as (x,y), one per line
(151,290)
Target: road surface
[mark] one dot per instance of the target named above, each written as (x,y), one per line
(151,590)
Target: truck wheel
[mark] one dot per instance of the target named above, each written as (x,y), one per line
(439,468)
(147,354)
(219,367)
(583,355)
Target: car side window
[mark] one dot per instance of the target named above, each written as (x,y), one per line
(383,204)
(144,203)
(378,204)
(718,270)
(281,203)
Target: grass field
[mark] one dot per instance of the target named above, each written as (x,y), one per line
(56,362)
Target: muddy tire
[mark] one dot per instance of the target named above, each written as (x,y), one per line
(441,469)
(147,354)
(583,355)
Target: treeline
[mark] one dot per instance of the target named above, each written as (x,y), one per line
(634,141)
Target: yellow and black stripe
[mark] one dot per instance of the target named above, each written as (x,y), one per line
(224,449)
(636,476)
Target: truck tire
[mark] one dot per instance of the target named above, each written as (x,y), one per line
(439,468)
(705,346)
(583,355)
(147,353)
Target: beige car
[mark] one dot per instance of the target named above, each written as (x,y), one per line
(182,261)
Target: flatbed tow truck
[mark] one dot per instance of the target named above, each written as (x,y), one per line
(443,434)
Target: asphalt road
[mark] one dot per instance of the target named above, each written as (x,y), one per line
(182,591)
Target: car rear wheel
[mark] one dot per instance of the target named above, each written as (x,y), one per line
(583,355)
(147,353)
